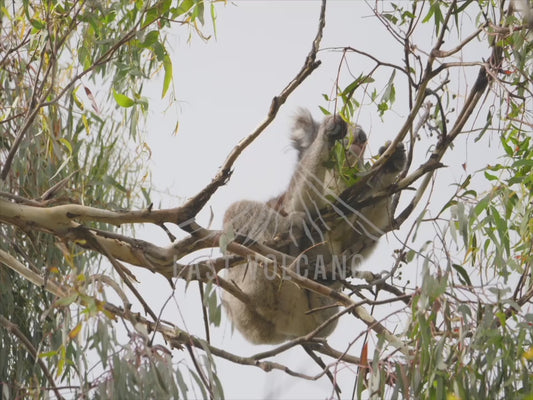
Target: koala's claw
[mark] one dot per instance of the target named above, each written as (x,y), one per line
(335,127)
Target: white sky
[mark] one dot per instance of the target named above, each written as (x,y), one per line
(223,89)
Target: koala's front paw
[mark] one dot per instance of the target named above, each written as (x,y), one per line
(334,127)
(398,159)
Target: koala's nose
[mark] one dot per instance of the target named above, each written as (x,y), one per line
(336,128)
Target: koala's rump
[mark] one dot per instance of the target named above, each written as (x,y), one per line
(278,309)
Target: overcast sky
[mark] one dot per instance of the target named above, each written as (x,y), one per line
(223,89)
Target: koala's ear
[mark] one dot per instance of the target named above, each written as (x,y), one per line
(304,131)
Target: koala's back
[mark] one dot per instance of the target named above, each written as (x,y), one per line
(279,309)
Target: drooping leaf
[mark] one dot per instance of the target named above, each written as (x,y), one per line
(122,100)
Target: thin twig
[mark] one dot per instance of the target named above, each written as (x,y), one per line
(14,329)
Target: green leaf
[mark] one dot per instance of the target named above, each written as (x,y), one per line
(156,12)
(324,111)
(434,10)
(490,177)
(523,163)
(508,149)
(463,275)
(167,65)
(382,107)
(360,80)
(111,181)
(150,38)
(501,227)
(66,301)
(48,354)
(199,12)
(214,19)
(392,18)
(488,123)
(37,24)
(390,92)
(185,6)
(122,100)
(481,205)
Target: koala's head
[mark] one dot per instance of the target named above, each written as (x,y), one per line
(305,130)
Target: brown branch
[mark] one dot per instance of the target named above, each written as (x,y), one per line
(174,335)
(207,382)
(195,204)
(60,225)
(377,61)
(459,47)
(55,220)
(324,369)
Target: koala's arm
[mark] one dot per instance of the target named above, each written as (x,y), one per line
(309,184)
(392,168)
(382,179)
(314,187)
(358,235)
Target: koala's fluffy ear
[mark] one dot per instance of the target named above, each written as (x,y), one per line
(304,131)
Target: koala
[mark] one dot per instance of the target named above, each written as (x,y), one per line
(280,310)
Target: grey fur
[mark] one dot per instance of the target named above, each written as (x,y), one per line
(280,309)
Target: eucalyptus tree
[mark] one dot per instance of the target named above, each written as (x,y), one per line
(73,189)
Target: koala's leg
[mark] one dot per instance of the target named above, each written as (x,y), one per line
(301,311)
(256,321)
(270,316)
(255,220)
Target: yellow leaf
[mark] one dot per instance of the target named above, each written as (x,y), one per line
(74,332)
(528,355)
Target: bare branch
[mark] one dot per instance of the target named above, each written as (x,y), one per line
(194,205)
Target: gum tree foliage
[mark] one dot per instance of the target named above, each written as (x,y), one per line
(68,184)
(63,141)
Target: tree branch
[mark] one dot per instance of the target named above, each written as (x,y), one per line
(14,329)
(195,204)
